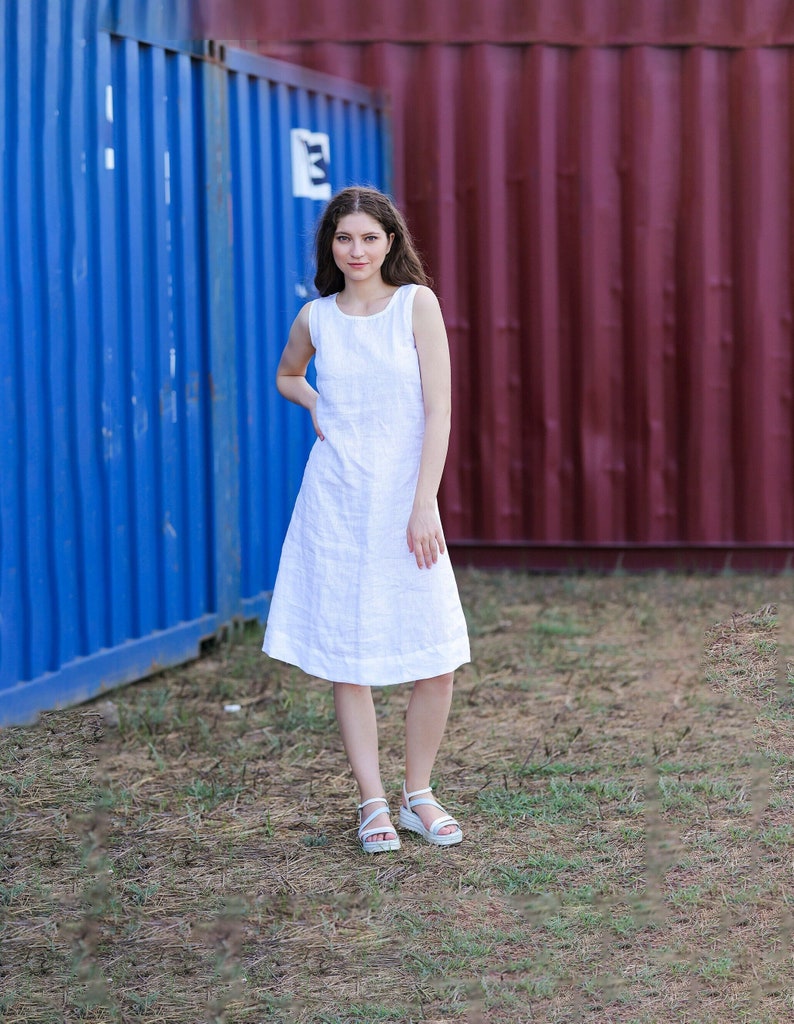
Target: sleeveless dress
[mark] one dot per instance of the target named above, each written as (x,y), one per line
(350,604)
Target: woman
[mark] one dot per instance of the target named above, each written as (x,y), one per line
(365,594)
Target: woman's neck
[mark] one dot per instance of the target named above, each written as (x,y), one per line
(365,297)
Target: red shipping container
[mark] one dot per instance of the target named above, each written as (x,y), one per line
(603,194)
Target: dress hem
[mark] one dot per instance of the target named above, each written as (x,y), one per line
(380,673)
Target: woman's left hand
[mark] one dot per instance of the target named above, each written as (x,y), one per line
(425,537)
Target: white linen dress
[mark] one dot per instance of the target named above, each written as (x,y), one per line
(350,604)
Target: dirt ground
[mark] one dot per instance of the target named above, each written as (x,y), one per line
(619,754)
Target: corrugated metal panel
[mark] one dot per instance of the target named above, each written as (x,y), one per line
(551,22)
(149,21)
(152,257)
(107,554)
(610,233)
(274,233)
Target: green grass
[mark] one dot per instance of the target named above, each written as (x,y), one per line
(625,845)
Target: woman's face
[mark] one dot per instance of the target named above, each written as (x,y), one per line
(360,246)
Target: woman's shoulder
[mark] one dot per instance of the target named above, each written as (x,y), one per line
(302,319)
(425,299)
(318,303)
(320,315)
(322,301)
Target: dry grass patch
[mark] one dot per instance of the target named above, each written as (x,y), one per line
(627,809)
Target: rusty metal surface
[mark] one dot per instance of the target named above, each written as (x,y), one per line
(765,559)
(555,22)
(609,229)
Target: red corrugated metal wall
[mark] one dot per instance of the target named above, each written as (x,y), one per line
(609,228)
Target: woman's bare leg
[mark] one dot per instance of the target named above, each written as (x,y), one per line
(355,713)
(425,721)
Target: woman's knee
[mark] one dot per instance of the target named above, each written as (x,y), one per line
(437,683)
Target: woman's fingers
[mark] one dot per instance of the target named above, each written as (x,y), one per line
(317,429)
(426,549)
(425,538)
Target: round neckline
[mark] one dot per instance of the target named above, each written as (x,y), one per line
(366,316)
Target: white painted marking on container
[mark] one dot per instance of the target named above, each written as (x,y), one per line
(311,160)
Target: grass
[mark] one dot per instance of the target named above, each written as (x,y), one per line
(620,753)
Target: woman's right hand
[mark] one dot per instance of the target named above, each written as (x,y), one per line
(315,424)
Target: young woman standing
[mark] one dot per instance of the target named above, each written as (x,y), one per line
(365,593)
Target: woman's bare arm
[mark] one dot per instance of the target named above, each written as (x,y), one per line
(291,372)
(424,533)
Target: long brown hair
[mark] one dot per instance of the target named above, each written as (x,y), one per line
(402,264)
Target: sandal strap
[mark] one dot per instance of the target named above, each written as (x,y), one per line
(442,822)
(416,792)
(426,800)
(374,800)
(373,815)
(363,836)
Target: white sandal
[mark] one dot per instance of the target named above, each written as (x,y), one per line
(364,833)
(409,819)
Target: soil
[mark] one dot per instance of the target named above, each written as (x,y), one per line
(619,754)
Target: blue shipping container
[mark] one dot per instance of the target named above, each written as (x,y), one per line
(156,220)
